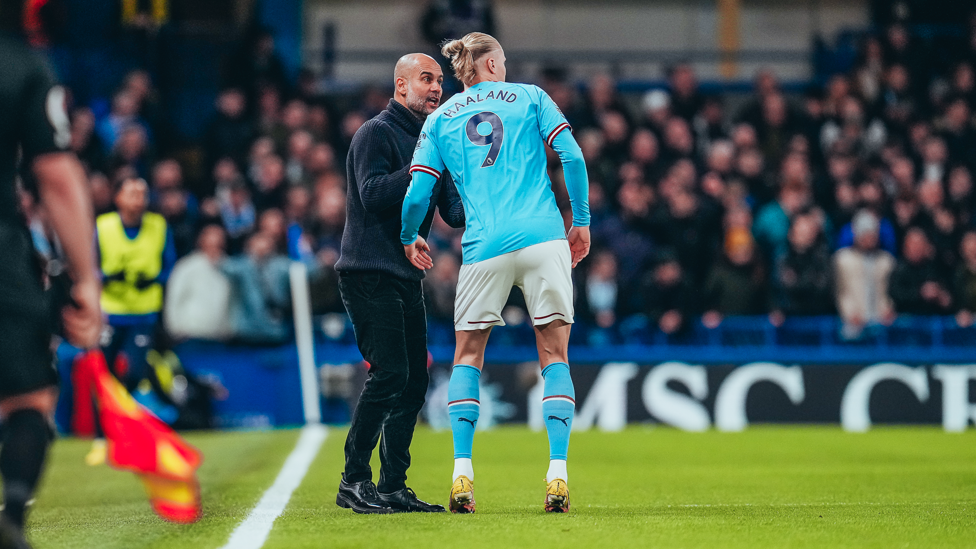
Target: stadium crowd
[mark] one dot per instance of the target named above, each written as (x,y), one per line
(853,198)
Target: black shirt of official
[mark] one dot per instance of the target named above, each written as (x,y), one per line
(33,122)
(378,167)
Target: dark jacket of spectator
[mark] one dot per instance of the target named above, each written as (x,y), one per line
(917,285)
(907,281)
(230,133)
(689,227)
(670,298)
(735,289)
(257,65)
(964,282)
(737,283)
(805,282)
(965,288)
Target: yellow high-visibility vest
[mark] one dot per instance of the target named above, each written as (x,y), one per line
(160,11)
(142,255)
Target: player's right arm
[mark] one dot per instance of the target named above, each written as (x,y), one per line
(45,136)
(556,131)
(426,168)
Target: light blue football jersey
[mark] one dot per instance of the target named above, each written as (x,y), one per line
(492,138)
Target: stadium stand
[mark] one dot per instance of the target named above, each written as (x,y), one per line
(718,211)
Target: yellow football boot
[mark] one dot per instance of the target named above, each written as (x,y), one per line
(557,496)
(462,495)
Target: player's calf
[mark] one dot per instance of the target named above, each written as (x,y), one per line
(558,410)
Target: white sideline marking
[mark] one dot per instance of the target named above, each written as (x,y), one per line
(254,530)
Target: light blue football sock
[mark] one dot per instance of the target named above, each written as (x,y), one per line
(558,407)
(463,407)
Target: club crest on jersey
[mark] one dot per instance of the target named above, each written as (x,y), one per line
(501,95)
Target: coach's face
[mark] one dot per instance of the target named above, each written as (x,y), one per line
(423,86)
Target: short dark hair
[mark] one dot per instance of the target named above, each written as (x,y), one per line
(117,187)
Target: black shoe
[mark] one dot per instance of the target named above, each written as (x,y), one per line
(406,500)
(361,497)
(11,537)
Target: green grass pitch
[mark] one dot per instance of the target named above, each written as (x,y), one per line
(644,487)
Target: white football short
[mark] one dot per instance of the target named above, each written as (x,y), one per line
(542,271)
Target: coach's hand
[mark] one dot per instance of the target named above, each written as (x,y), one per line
(419,253)
(579,243)
(83,318)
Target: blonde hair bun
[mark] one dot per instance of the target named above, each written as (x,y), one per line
(466,51)
(452,48)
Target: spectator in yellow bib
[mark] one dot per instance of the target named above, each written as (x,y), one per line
(136,255)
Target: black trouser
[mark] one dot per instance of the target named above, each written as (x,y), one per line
(390,322)
(135,341)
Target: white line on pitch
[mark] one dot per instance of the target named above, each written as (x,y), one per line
(254,530)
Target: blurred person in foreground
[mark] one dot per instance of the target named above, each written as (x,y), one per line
(382,291)
(493,138)
(198,293)
(861,279)
(136,252)
(34,122)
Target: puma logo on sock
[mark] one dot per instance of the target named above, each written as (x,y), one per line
(468,420)
(564,420)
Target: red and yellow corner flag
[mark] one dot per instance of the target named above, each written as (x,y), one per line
(140,442)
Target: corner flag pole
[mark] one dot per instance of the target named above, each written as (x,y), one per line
(301,305)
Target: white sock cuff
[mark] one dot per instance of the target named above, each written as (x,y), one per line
(463,466)
(557,469)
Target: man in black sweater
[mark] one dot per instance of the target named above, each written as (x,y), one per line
(382,291)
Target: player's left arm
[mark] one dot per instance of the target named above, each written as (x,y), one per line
(557,133)
(577,181)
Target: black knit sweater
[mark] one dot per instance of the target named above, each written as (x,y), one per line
(378,170)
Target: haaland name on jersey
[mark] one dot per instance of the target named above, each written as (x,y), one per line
(492,139)
(499,95)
